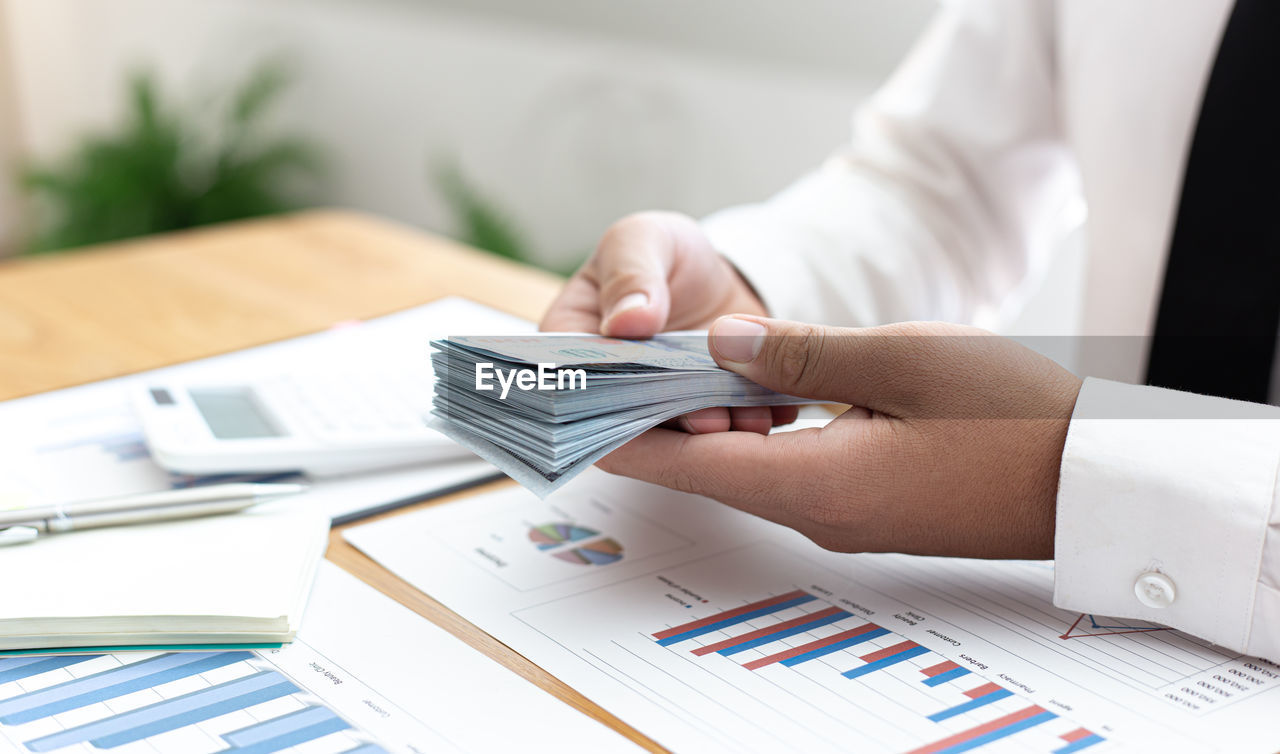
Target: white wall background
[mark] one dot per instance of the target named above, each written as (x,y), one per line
(569,112)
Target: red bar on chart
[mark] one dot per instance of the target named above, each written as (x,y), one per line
(982,690)
(685,627)
(1015,720)
(880,654)
(760,632)
(939,669)
(811,646)
(1078,740)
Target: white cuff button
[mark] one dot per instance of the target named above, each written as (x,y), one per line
(1154,589)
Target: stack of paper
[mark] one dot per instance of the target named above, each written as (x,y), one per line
(224,580)
(544,407)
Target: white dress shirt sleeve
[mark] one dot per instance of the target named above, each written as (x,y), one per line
(1167,513)
(938,207)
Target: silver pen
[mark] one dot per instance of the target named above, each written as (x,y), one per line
(27,524)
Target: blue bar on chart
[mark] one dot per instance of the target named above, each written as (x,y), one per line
(943,672)
(280,733)
(887,657)
(367,749)
(848,641)
(1078,739)
(783,630)
(819,647)
(732,617)
(9,663)
(17,668)
(981,735)
(112,683)
(171,714)
(978,697)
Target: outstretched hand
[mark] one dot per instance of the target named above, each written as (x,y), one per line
(952,448)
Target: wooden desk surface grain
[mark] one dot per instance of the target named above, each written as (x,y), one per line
(96,313)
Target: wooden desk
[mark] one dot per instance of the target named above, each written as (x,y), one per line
(123,308)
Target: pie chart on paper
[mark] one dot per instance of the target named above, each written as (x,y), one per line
(575,544)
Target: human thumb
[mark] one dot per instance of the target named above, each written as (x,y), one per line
(813,361)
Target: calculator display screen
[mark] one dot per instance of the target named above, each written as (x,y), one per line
(232,414)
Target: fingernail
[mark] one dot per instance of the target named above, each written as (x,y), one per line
(627,303)
(737,340)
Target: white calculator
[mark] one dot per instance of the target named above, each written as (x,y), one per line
(321,424)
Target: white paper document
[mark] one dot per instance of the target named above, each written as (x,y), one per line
(710,630)
(85,442)
(367,676)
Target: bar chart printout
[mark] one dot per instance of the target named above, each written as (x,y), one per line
(175,702)
(848,639)
(749,638)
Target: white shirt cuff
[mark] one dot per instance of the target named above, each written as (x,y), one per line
(1174,484)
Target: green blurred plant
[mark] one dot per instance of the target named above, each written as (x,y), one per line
(167,169)
(478,220)
(481,222)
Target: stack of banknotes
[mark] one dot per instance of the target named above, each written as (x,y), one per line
(544,407)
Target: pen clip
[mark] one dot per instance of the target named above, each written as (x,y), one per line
(18,535)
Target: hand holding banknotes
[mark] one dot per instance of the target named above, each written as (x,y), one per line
(953,446)
(656,271)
